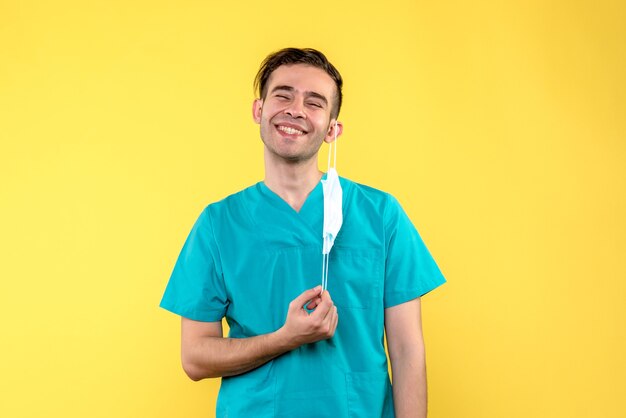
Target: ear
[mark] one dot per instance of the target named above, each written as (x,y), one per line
(257,107)
(330,136)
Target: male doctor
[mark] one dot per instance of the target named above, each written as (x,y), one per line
(255,258)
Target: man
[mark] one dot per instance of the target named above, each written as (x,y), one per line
(255,258)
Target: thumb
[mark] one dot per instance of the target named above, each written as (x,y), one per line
(306,296)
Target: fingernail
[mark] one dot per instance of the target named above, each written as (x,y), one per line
(318,287)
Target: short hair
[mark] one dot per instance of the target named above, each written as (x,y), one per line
(291,56)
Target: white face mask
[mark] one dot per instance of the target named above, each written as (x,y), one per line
(333,213)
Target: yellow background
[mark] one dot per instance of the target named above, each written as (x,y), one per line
(500,126)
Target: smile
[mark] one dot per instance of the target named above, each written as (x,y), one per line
(289,130)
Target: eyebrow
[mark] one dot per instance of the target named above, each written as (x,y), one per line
(306,93)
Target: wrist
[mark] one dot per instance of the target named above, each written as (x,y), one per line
(283,341)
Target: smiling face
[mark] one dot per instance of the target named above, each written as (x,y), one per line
(295,114)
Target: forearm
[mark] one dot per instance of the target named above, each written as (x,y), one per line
(409,384)
(217,356)
(205,353)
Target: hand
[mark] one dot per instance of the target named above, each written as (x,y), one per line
(303,328)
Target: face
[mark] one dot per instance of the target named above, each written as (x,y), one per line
(295,114)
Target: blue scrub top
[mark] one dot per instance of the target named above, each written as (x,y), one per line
(251,254)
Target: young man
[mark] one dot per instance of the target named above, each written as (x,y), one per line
(255,258)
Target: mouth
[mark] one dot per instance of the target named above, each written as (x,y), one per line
(290,130)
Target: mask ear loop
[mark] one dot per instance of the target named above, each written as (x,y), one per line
(324,271)
(326,257)
(330,150)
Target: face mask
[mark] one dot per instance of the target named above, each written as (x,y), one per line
(333,214)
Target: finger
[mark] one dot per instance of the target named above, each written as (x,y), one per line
(323,307)
(313,303)
(336,320)
(326,294)
(330,322)
(306,296)
(332,313)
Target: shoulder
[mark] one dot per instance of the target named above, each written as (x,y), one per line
(366,195)
(225,209)
(232,200)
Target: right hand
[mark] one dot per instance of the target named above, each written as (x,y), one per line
(302,327)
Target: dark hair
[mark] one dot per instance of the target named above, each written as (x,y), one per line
(290,56)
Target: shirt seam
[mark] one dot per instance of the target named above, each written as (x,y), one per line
(219,255)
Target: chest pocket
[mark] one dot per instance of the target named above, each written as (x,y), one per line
(355,277)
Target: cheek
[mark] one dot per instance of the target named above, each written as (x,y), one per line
(319,120)
(323,126)
(270,112)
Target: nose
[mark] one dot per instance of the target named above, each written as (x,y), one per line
(295,109)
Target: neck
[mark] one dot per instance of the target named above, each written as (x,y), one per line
(292,181)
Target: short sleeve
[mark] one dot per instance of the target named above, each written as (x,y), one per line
(196,287)
(410,270)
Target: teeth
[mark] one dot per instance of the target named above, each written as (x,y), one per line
(290,131)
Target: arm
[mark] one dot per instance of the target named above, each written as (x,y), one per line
(403,326)
(205,353)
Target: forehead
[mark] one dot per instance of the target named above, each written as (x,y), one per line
(303,78)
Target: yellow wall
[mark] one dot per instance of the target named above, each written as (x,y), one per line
(500,126)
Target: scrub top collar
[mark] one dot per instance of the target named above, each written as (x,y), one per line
(309,203)
(310,218)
